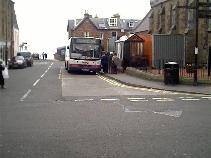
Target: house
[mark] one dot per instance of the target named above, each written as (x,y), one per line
(107,29)
(9,32)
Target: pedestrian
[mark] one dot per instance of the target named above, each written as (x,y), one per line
(115,63)
(110,62)
(104,62)
(1,74)
(46,56)
(43,56)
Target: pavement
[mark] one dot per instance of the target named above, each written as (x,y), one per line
(140,82)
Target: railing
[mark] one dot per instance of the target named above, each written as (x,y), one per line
(185,71)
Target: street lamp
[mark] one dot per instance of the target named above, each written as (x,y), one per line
(22,45)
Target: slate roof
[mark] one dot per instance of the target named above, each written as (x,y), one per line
(144,24)
(103,23)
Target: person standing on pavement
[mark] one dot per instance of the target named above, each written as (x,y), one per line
(104,62)
(1,75)
(115,63)
(110,63)
(46,56)
(43,56)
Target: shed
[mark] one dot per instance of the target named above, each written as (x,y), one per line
(133,51)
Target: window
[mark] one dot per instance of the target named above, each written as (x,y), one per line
(101,35)
(86,34)
(114,34)
(113,22)
(131,24)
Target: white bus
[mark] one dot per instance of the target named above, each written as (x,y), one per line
(84,55)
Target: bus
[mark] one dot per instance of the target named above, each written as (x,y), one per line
(84,55)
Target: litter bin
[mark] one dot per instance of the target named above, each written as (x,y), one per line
(171,73)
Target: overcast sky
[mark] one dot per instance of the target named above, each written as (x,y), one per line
(42,23)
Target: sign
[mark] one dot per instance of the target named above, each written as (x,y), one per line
(196,50)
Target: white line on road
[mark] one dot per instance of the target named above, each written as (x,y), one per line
(190,99)
(36,82)
(42,75)
(80,100)
(206,97)
(139,100)
(135,98)
(26,95)
(110,99)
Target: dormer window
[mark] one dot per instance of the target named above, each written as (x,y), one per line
(131,24)
(113,22)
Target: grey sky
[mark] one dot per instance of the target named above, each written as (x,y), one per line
(42,23)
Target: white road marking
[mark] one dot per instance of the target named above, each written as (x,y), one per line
(132,111)
(206,97)
(139,100)
(42,75)
(135,98)
(36,82)
(80,100)
(190,99)
(109,99)
(25,95)
(161,98)
(171,113)
(165,100)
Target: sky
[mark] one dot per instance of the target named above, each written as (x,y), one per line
(43,23)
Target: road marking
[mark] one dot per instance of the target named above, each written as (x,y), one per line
(139,100)
(132,111)
(190,99)
(80,100)
(109,99)
(36,83)
(171,113)
(135,98)
(25,95)
(165,100)
(206,97)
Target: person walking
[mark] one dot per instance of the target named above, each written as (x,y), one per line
(1,75)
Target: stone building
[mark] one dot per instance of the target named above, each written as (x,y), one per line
(108,29)
(168,17)
(9,34)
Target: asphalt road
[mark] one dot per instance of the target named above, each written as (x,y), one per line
(48,113)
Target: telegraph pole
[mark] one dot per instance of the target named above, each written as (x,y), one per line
(196,42)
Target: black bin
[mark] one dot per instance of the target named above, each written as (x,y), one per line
(171,73)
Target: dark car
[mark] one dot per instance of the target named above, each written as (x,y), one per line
(17,62)
(27,56)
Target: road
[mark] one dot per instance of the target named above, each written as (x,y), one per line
(48,113)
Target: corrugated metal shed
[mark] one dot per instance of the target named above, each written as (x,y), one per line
(167,48)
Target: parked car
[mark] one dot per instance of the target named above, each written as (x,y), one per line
(17,62)
(36,56)
(27,56)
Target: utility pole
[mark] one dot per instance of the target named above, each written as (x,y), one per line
(196,42)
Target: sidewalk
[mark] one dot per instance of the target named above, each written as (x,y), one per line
(139,82)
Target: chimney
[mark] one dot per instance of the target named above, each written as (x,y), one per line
(86,15)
